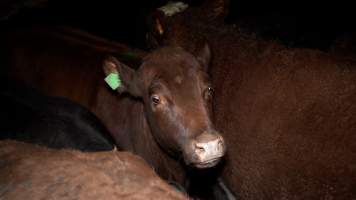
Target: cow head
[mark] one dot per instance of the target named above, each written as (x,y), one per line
(177,98)
(174,23)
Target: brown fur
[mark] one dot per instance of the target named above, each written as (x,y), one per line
(33,172)
(57,64)
(44,61)
(288,115)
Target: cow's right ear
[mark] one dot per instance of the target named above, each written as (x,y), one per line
(157,33)
(121,77)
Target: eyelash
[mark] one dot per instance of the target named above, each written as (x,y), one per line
(155,99)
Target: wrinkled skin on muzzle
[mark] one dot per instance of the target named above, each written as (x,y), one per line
(204,151)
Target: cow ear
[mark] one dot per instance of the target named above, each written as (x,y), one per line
(121,77)
(155,36)
(215,9)
(203,55)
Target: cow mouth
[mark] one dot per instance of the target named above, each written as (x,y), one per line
(207,164)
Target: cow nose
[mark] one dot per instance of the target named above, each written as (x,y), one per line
(209,148)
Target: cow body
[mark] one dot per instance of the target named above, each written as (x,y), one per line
(73,71)
(148,118)
(54,122)
(288,114)
(32,172)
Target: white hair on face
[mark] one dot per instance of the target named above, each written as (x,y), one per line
(172,8)
(178,79)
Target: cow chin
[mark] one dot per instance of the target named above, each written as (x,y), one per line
(205,151)
(201,164)
(207,164)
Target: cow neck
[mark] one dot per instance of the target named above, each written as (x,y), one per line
(126,121)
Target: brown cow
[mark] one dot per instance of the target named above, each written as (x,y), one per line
(289,115)
(32,172)
(344,46)
(165,118)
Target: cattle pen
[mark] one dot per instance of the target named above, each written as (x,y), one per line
(191,99)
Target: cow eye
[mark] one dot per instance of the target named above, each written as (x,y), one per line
(208,93)
(155,99)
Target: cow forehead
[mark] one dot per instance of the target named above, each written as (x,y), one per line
(172,64)
(171,58)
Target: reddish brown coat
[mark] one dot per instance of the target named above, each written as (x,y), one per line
(33,172)
(178,129)
(288,115)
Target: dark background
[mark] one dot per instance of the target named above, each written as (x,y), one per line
(310,24)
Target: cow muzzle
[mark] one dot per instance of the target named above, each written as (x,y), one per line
(206,150)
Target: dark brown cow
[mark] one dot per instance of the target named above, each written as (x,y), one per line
(289,115)
(32,172)
(164,116)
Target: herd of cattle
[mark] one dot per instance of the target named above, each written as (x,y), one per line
(208,104)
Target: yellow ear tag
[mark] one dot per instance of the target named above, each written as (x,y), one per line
(113,80)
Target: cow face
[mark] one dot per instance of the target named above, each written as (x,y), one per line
(177,97)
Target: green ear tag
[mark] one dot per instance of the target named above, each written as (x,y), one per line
(113,80)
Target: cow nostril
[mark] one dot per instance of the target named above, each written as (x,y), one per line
(220,145)
(199,150)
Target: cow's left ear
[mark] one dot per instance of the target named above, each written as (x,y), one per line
(203,55)
(121,77)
